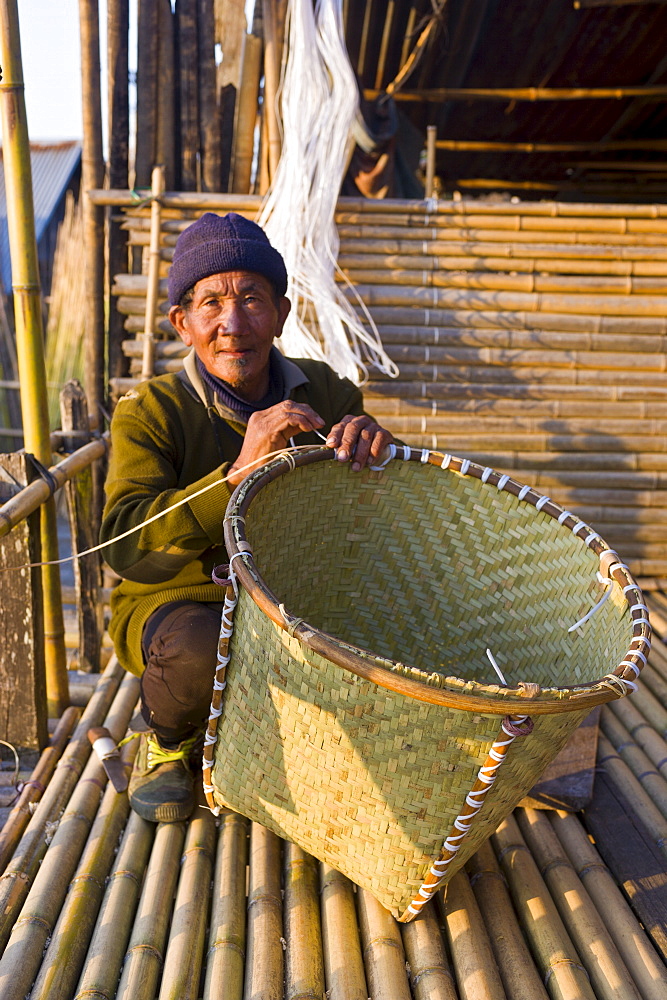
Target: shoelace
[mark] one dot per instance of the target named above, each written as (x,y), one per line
(160,755)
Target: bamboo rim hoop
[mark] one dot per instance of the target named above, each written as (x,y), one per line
(477,697)
(466,696)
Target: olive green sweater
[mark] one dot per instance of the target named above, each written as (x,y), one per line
(170,439)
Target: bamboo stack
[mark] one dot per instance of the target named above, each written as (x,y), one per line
(530,337)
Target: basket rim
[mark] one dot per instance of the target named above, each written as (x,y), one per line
(465,695)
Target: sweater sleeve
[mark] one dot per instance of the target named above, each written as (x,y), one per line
(144,482)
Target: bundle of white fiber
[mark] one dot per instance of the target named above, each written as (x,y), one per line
(319,102)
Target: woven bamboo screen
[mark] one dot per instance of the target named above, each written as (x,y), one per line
(530,337)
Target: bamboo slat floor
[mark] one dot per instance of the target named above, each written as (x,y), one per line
(96,903)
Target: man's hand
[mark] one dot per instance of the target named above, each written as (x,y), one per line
(270,430)
(359,440)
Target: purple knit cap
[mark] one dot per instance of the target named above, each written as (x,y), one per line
(217,243)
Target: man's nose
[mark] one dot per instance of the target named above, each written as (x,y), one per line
(231,318)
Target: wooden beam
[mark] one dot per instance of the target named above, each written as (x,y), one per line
(476,146)
(437,94)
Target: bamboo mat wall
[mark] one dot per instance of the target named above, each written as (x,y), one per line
(97,903)
(530,337)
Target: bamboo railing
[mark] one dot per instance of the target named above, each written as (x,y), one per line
(529,336)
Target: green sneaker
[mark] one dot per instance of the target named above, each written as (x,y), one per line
(161,787)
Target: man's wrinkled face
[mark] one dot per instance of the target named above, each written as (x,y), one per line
(231,322)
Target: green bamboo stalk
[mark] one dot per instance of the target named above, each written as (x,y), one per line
(30,333)
(642,961)
(21,960)
(114,922)
(609,977)
(343,963)
(34,788)
(143,962)
(477,974)
(226,953)
(187,937)
(552,948)
(384,957)
(264,962)
(64,957)
(17,879)
(304,965)
(515,963)
(430,975)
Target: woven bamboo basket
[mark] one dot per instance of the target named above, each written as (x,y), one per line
(356,710)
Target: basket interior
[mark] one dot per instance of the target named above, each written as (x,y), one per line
(430,568)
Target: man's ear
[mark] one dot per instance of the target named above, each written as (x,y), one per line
(284,307)
(178,319)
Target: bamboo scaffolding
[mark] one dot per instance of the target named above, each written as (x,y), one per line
(477,975)
(382,948)
(187,936)
(64,957)
(343,962)
(101,972)
(34,787)
(227,936)
(552,948)
(633,793)
(153,278)
(20,872)
(515,964)
(304,963)
(22,957)
(430,974)
(264,957)
(587,928)
(143,962)
(639,955)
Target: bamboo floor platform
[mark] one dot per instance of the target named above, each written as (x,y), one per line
(96,903)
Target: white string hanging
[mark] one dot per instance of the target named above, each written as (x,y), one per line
(319,101)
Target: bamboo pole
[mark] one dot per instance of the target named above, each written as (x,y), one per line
(639,763)
(304,963)
(20,872)
(587,928)
(209,115)
(343,962)
(32,790)
(383,953)
(552,948)
(185,948)
(274,27)
(30,333)
(484,146)
(246,114)
(637,798)
(644,964)
(430,975)
(101,971)
(22,958)
(166,140)
(147,90)
(153,283)
(264,958)
(143,962)
(64,958)
(438,94)
(429,187)
(477,975)
(515,964)
(653,745)
(227,936)
(186,34)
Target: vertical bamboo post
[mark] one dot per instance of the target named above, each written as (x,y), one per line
(157,189)
(147,91)
(209,117)
(30,334)
(431,134)
(274,25)
(246,115)
(92,175)
(166,141)
(118,137)
(186,33)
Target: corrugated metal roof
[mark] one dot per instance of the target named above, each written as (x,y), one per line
(53,164)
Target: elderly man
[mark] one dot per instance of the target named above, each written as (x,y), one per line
(236,400)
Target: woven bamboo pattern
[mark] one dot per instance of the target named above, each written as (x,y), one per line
(358,704)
